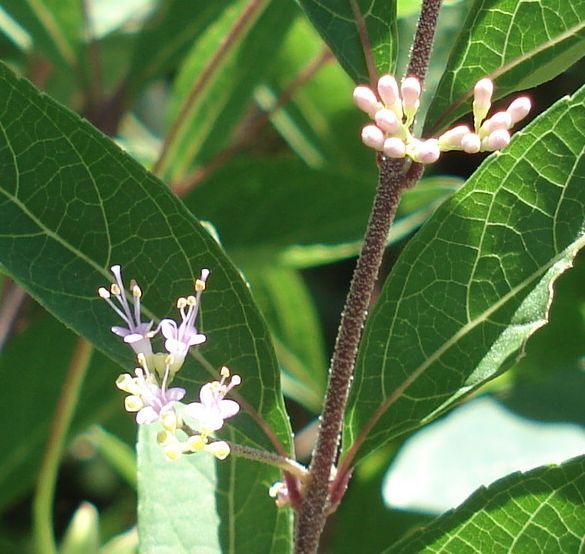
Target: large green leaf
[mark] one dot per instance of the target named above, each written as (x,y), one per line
(542,510)
(211,511)
(475,282)
(519,44)
(217,79)
(72,204)
(335,20)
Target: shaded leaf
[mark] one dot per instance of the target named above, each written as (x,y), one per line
(269,219)
(32,369)
(335,21)
(539,511)
(217,79)
(494,42)
(475,282)
(55,26)
(288,307)
(167,36)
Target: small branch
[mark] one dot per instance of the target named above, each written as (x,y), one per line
(191,181)
(229,42)
(286,464)
(420,53)
(47,477)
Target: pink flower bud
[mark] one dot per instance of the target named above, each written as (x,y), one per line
(427,152)
(500,120)
(410,95)
(388,90)
(451,139)
(394,148)
(471,143)
(519,109)
(387,121)
(373,137)
(366,100)
(497,140)
(482,94)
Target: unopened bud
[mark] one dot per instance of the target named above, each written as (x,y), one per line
(219,449)
(497,140)
(471,143)
(451,139)
(387,121)
(410,96)
(519,109)
(500,120)
(427,152)
(388,91)
(366,100)
(394,147)
(373,137)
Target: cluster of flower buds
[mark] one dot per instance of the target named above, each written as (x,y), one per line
(393,111)
(186,428)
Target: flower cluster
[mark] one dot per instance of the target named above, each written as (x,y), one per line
(393,112)
(186,428)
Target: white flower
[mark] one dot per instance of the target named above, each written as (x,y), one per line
(213,409)
(150,401)
(137,334)
(179,338)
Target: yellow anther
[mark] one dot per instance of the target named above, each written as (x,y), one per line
(115,289)
(191,300)
(225,372)
(136,291)
(199,285)
(196,443)
(104,293)
(181,303)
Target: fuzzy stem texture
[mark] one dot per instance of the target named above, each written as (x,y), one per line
(392,181)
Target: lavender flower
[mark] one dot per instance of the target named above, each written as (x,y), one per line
(137,334)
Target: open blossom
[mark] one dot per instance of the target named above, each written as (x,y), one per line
(136,333)
(179,338)
(151,402)
(394,108)
(213,408)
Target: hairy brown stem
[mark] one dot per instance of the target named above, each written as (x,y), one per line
(420,53)
(393,179)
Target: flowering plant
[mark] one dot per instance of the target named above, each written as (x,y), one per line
(445,169)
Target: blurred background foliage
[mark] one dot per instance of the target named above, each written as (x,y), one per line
(262,143)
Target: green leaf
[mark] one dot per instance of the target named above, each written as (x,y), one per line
(167,36)
(542,510)
(283,227)
(336,22)
(72,204)
(217,79)
(495,42)
(56,27)
(286,304)
(196,505)
(474,283)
